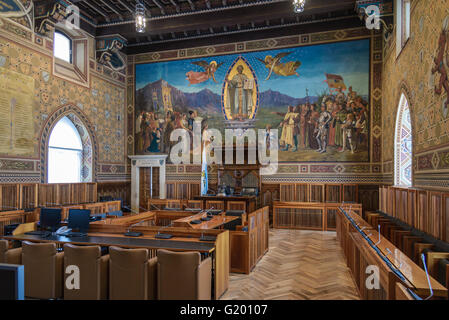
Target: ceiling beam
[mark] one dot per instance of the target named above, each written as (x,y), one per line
(111,7)
(160,6)
(126,6)
(220,18)
(192,6)
(95,8)
(244,35)
(178,9)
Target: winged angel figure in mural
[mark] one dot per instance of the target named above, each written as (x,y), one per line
(208,73)
(275,65)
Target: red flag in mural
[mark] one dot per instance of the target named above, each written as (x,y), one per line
(335,81)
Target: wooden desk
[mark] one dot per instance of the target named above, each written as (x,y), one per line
(106,240)
(360,253)
(251,201)
(183,240)
(215,222)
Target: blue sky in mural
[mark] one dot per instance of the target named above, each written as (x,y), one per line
(342,58)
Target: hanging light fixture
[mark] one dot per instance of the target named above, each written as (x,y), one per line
(140,17)
(298,5)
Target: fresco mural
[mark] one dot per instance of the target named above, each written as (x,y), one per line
(317,96)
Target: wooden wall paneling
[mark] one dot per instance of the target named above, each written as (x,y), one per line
(390,201)
(422,210)
(333,193)
(287,192)
(368,196)
(28,193)
(9,197)
(302,192)
(445,210)
(64,192)
(411,206)
(331,223)
(48,195)
(92,191)
(435,221)
(182,190)
(194,190)
(171,190)
(350,193)
(316,193)
(117,190)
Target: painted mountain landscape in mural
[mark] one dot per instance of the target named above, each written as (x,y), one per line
(316,96)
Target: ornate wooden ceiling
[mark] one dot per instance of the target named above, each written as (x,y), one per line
(174,22)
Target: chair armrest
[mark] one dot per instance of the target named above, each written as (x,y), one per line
(152,279)
(14,256)
(59,274)
(104,277)
(204,278)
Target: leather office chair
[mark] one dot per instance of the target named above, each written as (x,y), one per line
(93,268)
(12,256)
(131,275)
(43,270)
(183,276)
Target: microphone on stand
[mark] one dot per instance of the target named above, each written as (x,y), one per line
(133,233)
(160,235)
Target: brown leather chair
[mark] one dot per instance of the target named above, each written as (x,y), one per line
(12,256)
(131,275)
(183,276)
(93,271)
(43,270)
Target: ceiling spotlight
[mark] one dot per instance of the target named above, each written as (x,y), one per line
(298,5)
(140,17)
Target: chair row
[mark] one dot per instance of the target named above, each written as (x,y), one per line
(413,243)
(83,273)
(160,204)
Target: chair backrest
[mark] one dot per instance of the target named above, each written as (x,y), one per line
(177,275)
(39,260)
(128,274)
(115,213)
(87,259)
(3,248)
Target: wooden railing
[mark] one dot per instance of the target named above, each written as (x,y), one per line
(15,196)
(307,215)
(11,217)
(424,210)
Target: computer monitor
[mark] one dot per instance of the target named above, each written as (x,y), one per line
(79,220)
(12,282)
(50,218)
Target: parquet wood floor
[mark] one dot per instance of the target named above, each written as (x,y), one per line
(300,265)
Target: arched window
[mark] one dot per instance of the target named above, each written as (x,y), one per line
(65,153)
(62,47)
(403,145)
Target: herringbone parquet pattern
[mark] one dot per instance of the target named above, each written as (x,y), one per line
(299,265)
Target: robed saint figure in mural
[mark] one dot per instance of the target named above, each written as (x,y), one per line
(240,92)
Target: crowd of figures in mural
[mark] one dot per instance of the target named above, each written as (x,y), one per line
(320,108)
(340,121)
